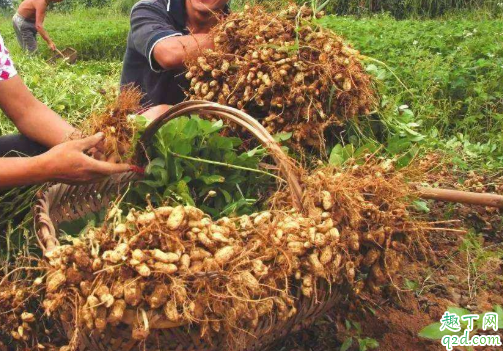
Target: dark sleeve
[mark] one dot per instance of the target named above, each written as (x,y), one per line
(149,25)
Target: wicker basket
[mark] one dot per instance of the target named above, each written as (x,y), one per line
(68,55)
(61,203)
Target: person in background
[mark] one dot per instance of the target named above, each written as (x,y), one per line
(163,33)
(46,137)
(29,20)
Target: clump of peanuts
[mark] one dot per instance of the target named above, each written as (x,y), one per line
(176,265)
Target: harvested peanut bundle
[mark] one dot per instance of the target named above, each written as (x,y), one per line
(116,124)
(284,69)
(176,266)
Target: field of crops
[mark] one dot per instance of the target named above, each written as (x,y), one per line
(447,72)
(439,115)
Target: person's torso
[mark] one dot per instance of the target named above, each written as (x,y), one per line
(27,9)
(161,87)
(164,87)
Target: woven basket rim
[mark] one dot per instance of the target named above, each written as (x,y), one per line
(70,200)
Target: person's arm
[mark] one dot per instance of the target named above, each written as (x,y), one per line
(65,163)
(40,10)
(155,112)
(157,36)
(33,119)
(171,53)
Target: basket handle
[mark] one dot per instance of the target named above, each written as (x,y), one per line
(285,163)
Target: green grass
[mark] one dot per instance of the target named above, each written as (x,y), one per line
(414,8)
(76,90)
(453,71)
(97,34)
(399,9)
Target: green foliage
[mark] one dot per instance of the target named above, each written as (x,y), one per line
(192,164)
(397,8)
(124,6)
(74,90)
(5,4)
(452,70)
(96,34)
(479,256)
(71,5)
(364,343)
(410,8)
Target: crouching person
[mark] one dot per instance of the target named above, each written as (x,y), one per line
(43,152)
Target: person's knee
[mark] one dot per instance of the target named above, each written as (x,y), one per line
(16,145)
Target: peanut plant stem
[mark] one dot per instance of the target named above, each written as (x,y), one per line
(196,159)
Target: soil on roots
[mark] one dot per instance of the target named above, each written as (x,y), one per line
(115,123)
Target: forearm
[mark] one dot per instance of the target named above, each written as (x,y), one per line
(33,119)
(41,124)
(19,171)
(44,34)
(171,53)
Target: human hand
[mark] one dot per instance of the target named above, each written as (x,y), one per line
(155,112)
(68,163)
(52,46)
(97,152)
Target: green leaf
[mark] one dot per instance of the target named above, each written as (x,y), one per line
(371,343)
(357,326)
(367,343)
(252,152)
(336,156)
(397,145)
(184,192)
(182,147)
(208,180)
(283,136)
(191,129)
(411,284)
(333,89)
(208,127)
(322,6)
(368,148)
(226,194)
(421,205)
(219,142)
(499,311)
(347,344)
(152,183)
(348,324)
(157,162)
(458,310)
(433,332)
